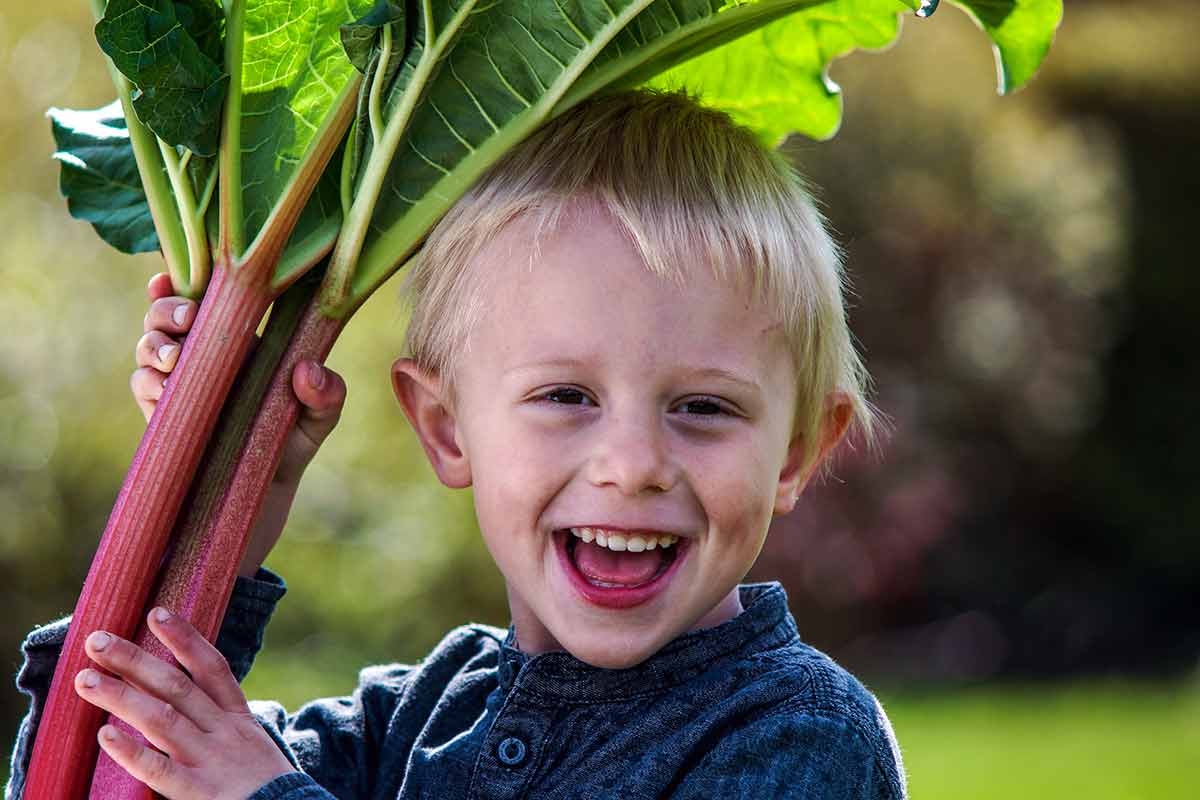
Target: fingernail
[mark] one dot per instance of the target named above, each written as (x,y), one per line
(89,679)
(108,733)
(316,376)
(99,640)
(180,313)
(166,351)
(161,614)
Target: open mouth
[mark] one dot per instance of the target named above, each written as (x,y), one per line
(626,576)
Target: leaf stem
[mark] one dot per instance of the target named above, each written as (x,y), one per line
(206,196)
(336,288)
(377,81)
(232,225)
(185,201)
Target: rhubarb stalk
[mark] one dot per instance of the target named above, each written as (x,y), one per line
(202,560)
(131,548)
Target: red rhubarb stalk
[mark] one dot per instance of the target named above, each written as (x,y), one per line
(202,561)
(131,549)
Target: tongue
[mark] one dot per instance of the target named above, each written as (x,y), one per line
(629,569)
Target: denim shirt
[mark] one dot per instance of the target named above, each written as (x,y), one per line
(740,710)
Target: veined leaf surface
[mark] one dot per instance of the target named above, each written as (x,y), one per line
(100,176)
(293,69)
(171,52)
(517,65)
(776,79)
(510,65)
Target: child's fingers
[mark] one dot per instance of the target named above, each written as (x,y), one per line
(208,668)
(163,725)
(159,286)
(154,769)
(146,383)
(156,349)
(154,676)
(173,315)
(322,393)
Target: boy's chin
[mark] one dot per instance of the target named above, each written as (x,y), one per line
(615,650)
(614,657)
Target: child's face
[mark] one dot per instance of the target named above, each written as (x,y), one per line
(594,394)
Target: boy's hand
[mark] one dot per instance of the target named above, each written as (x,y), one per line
(321,392)
(213,745)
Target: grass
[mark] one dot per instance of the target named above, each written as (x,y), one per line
(1097,740)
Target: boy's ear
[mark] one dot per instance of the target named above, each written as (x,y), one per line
(422,397)
(795,476)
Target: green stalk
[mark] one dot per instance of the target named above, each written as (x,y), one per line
(232,225)
(193,230)
(358,221)
(385,55)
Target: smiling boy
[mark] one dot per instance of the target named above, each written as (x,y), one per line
(629,339)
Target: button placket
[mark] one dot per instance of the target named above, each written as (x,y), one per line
(512,749)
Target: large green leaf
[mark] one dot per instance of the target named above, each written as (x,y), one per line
(776,81)
(516,65)
(293,71)
(100,177)
(1021,32)
(171,52)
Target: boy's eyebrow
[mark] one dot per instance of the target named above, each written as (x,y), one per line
(717,373)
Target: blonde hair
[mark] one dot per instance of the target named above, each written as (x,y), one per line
(688,186)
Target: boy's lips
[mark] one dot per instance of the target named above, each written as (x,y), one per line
(615,595)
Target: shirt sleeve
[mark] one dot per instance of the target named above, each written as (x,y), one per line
(239,640)
(792,755)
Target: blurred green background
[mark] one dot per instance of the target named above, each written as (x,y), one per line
(1018,576)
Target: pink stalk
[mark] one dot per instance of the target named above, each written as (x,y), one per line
(131,549)
(128,559)
(203,566)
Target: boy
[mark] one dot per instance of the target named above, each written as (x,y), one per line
(629,339)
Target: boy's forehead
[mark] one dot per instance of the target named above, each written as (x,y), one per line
(525,250)
(572,289)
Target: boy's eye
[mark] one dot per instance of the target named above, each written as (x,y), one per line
(566,396)
(703,406)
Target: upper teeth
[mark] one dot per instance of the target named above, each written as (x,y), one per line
(621,542)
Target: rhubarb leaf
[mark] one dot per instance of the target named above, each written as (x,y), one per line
(514,66)
(293,71)
(776,80)
(1021,32)
(172,53)
(100,177)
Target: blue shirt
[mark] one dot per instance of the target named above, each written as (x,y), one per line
(740,710)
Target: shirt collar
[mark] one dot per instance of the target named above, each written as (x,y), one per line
(764,624)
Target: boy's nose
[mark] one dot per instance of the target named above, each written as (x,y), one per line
(632,457)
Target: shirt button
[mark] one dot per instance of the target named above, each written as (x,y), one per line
(511,751)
